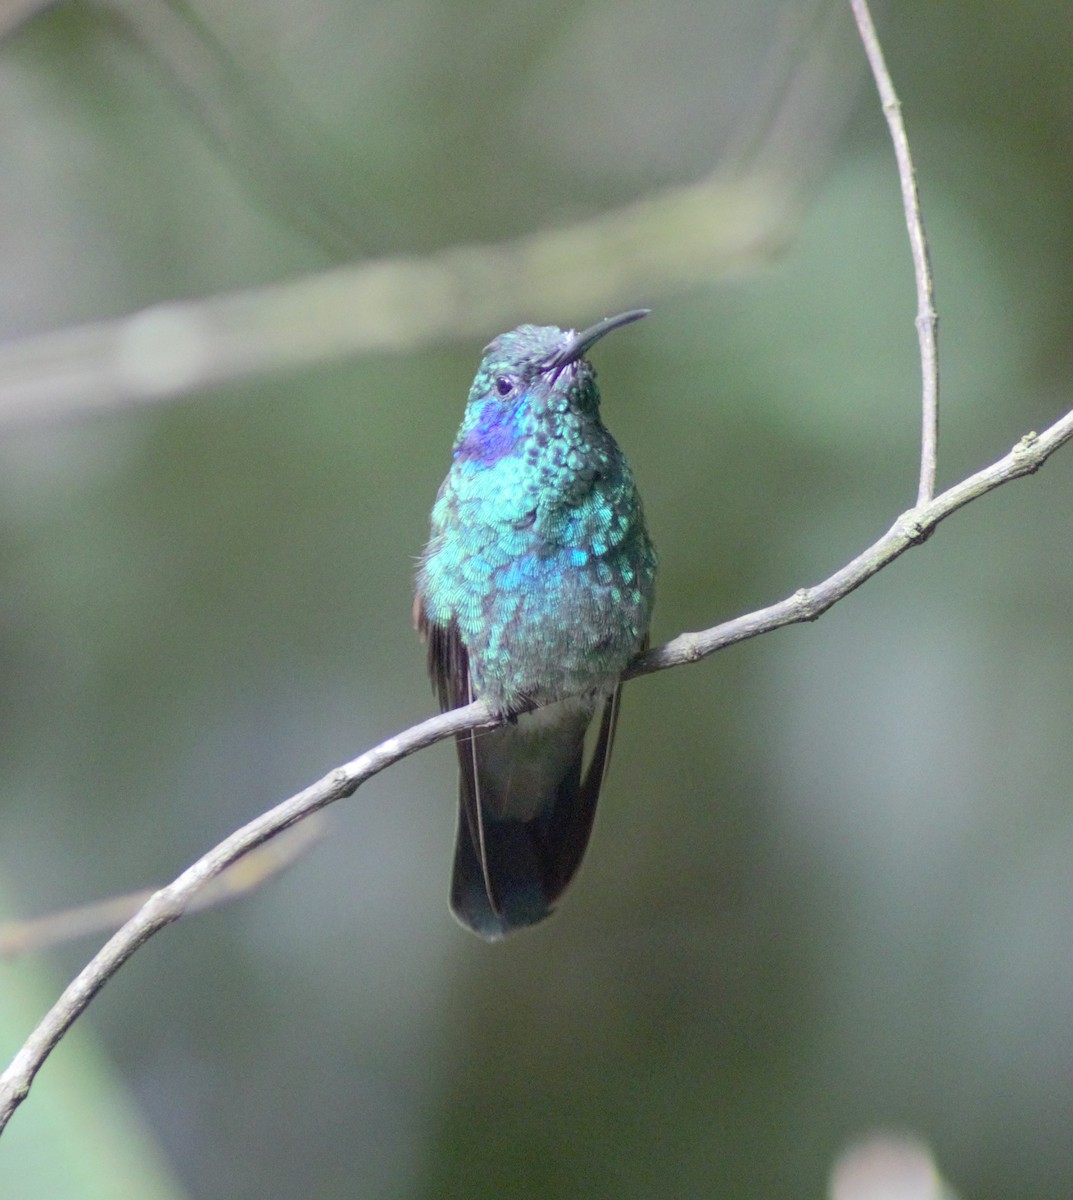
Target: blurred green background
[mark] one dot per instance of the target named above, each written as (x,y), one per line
(830,885)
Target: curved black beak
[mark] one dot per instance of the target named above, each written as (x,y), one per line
(580,342)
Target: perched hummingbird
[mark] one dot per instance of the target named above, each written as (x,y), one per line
(536,587)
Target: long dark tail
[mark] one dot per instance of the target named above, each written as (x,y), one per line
(515,854)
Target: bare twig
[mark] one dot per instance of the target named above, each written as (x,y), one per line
(911,528)
(106,916)
(173,901)
(927,320)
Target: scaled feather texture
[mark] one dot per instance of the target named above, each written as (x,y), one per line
(536,587)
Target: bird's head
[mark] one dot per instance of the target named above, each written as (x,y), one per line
(529,380)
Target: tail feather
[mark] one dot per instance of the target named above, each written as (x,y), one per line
(525,808)
(519,847)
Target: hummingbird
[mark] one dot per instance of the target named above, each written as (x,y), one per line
(535,589)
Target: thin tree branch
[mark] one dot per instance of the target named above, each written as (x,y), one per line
(171,902)
(195,366)
(174,900)
(927,320)
(910,529)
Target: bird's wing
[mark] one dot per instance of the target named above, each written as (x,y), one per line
(448,668)
(448,663)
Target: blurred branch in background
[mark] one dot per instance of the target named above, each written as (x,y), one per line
(801,99)
(742,215)
(15,13)
(243,876)
(263,131)
(172,902)
(686,236)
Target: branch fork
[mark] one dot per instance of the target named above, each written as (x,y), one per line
(806,604)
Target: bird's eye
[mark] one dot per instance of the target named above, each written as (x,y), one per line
(504,385)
